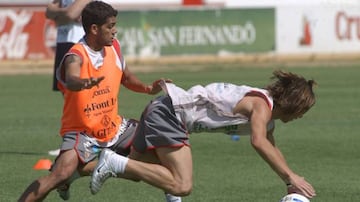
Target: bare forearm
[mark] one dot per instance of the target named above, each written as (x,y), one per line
(275,160)
(77,84)
(131,82)
(73,81)
(137,86)
(54,12)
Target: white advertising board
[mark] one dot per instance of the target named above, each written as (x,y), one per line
(325,29)
(275,3)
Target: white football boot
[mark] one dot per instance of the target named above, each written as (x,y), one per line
(102,171)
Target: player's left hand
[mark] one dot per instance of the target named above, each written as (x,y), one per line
(156,87)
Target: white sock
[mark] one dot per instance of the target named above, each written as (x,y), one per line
(118,163)
(172,198)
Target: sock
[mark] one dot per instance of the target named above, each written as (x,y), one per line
(172,198)
(118,163)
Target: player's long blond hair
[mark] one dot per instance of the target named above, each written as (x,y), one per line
(292,93)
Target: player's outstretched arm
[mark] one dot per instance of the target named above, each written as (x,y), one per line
(73,82)
(130,81)
(263,142)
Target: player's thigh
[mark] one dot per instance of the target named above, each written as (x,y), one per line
(148,157)
(87,169)
(178,161)
(66,163)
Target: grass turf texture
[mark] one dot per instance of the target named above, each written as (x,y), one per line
(322,146)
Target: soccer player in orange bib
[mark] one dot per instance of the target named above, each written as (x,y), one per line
(90,77)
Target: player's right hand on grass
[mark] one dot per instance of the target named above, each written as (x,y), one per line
(300,186)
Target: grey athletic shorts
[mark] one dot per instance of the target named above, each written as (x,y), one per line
(159,127)
(87,150)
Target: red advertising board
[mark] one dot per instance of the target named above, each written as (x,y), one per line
(26,34)
(192,2)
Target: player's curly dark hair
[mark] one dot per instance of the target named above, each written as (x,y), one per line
(291,93)
(96,12)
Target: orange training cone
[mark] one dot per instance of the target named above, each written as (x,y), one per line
(42,164)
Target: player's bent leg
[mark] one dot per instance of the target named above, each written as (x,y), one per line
(65,165)
(179,162)
(149,157)
(83,170)
(174,175)
(87,169)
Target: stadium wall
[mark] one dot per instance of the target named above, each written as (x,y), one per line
(216,31)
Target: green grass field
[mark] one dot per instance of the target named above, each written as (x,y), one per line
(323,146)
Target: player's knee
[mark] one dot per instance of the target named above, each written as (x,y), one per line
(60,175)
(183,189)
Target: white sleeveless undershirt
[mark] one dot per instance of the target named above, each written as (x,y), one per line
(210,108)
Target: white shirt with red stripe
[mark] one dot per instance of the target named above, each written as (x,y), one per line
(210,108)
